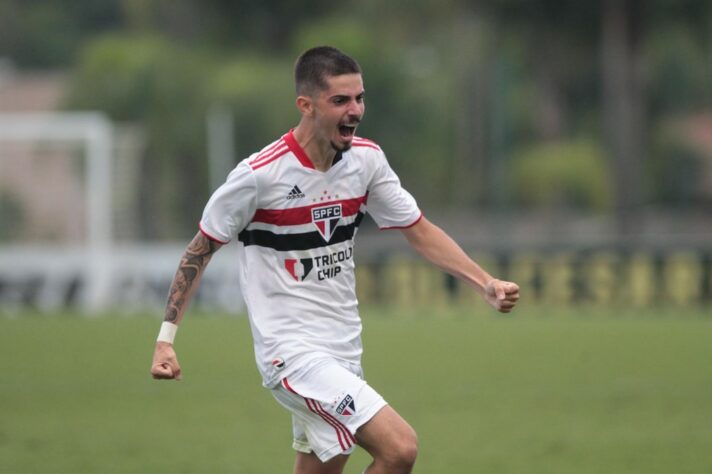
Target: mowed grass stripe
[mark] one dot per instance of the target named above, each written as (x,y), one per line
(586,391)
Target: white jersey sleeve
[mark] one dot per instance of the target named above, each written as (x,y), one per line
(232,205)
(389,204)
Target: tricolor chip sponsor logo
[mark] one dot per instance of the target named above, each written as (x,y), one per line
(299,268)
(326,219)
(278,363)
(347,407)
(327,265)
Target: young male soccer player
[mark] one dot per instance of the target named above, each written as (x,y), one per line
(294,208)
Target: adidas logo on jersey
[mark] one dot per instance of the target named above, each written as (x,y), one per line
(295,193)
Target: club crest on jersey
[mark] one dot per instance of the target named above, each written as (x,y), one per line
(298,268)
(347,407)
(326,219)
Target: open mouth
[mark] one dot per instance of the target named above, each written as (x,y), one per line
(347,131)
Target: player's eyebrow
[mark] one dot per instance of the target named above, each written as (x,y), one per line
(360,95)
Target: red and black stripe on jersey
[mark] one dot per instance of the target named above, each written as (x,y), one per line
(300,216)
(302,241)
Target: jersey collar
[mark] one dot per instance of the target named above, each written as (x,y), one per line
(301,155)
(298,151)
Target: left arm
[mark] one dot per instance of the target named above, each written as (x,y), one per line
(440,249)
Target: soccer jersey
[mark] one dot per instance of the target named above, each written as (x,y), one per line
(295,227)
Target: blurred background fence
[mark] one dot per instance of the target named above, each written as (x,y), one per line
(567,146)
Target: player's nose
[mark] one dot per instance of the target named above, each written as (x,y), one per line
(355,111)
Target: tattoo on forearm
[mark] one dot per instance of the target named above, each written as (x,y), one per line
(192,264)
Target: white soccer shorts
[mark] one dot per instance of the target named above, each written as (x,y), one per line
(328,402)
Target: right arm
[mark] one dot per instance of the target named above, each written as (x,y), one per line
(185,283)
(187,277)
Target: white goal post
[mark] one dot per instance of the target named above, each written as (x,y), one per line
(103,270)
(95,131)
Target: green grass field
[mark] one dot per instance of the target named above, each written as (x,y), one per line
(578,391)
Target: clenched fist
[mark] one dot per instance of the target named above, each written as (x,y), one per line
(502,295)
(165,364)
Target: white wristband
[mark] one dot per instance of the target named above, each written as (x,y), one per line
(167,333)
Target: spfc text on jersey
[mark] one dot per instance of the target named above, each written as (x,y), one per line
(326,219)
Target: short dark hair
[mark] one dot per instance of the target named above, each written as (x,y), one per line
(315,64)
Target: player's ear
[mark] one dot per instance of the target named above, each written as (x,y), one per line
(305,104)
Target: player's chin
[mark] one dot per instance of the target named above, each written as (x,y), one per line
(341,144)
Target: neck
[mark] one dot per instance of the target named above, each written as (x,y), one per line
(321,154)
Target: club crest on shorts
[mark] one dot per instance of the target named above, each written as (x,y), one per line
(347,407)
(326,219)
(278,363)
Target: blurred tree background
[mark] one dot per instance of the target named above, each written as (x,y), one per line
(483,105)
